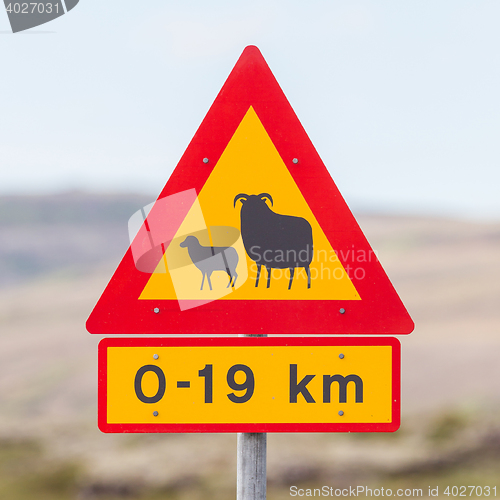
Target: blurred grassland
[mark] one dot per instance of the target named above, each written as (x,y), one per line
(57,254)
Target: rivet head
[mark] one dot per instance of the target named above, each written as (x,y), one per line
(295,160)
(155,356)
(341,412)
(156,310)
(155,413)
(341,356)
(341,310)
(205,160)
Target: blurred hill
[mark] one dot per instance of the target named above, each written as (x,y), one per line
(58,252)
(40,235)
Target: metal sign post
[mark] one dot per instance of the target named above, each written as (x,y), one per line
(251,467)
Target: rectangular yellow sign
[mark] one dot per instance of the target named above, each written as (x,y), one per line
(251,384)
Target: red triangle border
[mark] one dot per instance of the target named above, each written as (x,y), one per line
(251,83)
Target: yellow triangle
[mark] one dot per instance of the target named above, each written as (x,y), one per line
(250,164)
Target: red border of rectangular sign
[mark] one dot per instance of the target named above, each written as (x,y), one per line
(251,341)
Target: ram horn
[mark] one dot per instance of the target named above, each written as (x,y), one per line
(266,195)
(241,195)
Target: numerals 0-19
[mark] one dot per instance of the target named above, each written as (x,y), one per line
(240,378)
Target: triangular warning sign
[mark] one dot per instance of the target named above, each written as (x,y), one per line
(250,235)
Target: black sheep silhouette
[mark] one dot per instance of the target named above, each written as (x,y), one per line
(273,240)
(210,259)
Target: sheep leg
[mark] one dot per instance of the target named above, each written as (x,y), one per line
(231,278)
(292,272)
(268,277)
(258,275)
(308,277)
(209,282)
(202,281)
(228,271)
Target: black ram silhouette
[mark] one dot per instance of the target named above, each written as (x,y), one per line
(273,240)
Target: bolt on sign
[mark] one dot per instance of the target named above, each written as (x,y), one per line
(263,384)
(250,235)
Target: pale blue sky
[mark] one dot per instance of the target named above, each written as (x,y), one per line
(400,98)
